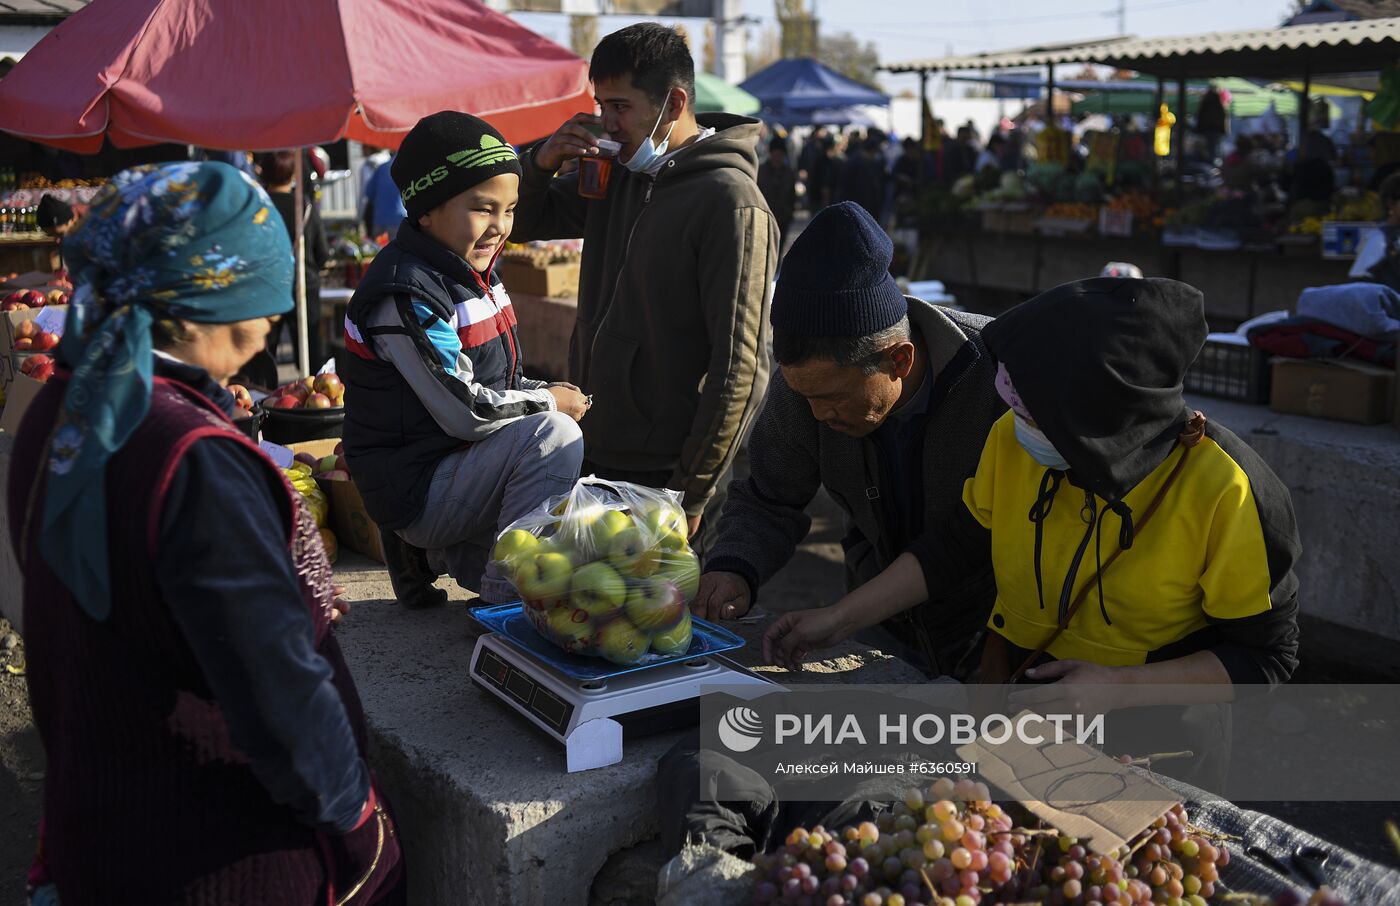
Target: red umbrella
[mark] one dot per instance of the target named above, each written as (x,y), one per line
(267,74)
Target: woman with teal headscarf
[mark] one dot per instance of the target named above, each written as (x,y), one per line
(204,739)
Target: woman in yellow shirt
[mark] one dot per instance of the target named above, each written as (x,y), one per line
(1132,541)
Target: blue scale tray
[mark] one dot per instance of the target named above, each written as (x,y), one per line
(509,620)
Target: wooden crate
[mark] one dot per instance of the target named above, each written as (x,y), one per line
(551,280)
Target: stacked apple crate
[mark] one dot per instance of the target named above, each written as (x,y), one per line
(33,308)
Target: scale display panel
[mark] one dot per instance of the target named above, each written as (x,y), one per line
(548,707)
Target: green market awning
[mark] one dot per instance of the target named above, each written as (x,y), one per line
(1246,99)
(715,95)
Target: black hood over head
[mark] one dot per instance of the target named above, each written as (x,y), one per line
(1099,365)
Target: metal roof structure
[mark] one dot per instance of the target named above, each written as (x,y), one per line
(1271,53)
(38,12)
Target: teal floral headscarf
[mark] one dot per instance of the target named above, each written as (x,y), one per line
(190,241)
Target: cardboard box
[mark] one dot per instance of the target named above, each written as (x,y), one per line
(1337,389)
(11,319)
(18,395)
(353,527)
(551,281)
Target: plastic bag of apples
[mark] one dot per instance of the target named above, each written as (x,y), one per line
(605,570)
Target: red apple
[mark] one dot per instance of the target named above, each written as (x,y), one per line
(45,340)
(241,397)
(339,448)
(24,343)
(318,401)
(287,402)
(60,275)
(33,298)
(330,385)
(298,392)
(43,372)
(33,362)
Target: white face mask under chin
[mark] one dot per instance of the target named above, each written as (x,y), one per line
(1038,446)
(647,158)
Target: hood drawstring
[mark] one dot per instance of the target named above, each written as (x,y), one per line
(1040,510)
(1191,434)
(1125,541)
(1088,514)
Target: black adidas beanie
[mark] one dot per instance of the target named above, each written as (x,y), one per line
(446,154)
(835,280)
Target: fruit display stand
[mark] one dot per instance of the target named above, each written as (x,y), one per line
(27,252)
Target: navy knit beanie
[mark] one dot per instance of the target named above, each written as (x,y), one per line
(446,154)
(835,280)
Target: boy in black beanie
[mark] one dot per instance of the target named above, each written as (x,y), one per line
(446,438)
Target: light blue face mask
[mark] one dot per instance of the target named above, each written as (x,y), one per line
(647,158)
(1035,443)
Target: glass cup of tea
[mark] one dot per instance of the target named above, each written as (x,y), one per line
(594,172)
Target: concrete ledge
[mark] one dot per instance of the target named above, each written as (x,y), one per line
(1345,482)
(489,815)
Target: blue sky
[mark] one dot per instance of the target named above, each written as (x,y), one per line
(914,29)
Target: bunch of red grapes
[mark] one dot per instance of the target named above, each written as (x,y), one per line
(954,846)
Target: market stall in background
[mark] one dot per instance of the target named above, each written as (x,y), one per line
(1246,164)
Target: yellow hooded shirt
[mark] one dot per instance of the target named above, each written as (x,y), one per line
(1200,560)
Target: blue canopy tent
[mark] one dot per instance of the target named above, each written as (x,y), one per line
(800,91)
(824,116)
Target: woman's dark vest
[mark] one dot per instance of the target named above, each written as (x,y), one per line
(146,790)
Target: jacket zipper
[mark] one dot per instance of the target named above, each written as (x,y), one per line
(626,252)
(510,334)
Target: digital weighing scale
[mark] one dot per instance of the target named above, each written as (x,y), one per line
(586,703)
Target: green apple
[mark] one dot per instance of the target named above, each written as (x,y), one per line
(683,568)
(592,529)
(621,642)
(514,546)
(676,639)
(544,577)
(570,627)
(606,528)
(655,605)
(598,590)
(666,525)
(630,554)
(557,545)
